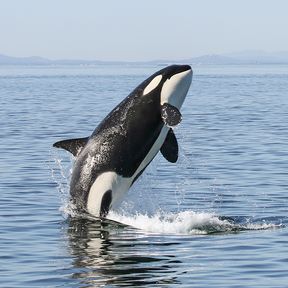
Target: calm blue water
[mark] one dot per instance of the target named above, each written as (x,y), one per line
(233,163)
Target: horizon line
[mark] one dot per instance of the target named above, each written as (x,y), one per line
(222,54)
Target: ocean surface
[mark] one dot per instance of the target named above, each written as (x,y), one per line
(216,218)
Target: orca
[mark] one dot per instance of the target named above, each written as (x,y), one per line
(108,162)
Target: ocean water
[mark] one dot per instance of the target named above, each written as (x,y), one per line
(216,218)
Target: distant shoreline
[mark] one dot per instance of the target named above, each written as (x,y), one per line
(240,58)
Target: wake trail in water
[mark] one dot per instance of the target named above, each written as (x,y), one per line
(187,222)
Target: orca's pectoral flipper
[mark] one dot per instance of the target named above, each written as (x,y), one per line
(169,148)
(72,145)
(170,115)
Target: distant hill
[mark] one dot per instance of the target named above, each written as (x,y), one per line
(261,57)
(244,57)
(212,59)
(8,60)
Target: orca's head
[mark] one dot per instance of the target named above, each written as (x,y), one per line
(172,82)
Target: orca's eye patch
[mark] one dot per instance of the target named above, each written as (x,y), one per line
(153,84)
(105,203)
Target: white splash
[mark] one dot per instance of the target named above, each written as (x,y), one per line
(186,222)
(68,209)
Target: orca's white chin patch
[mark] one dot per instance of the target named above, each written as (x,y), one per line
(175,88)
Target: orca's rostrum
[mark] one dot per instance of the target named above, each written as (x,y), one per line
(126,141)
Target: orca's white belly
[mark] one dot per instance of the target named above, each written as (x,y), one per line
(116,183)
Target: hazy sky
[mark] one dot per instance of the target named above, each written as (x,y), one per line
(140,30)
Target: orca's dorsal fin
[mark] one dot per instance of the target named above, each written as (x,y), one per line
(170,115)
(169,148)
(72,145)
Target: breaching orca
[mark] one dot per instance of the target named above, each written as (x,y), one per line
(110,160)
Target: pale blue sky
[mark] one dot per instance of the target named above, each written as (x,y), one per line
(140,30)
